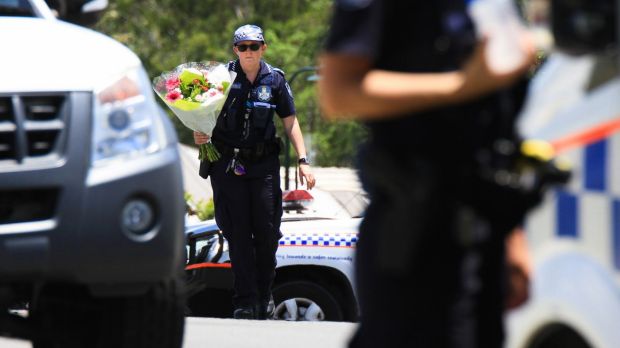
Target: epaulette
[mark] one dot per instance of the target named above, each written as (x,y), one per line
(232,65)
(279,71)
(272,68)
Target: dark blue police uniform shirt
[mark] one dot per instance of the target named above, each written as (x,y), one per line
(270,87)
(415,36)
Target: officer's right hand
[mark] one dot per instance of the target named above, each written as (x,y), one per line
(478,78)
(200,138)
(519,264)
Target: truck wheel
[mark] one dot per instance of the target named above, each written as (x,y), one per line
(305,301)
(68,316)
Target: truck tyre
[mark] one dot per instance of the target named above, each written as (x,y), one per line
(305,301)
(69,316)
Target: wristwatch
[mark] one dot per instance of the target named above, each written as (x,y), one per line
(303,160)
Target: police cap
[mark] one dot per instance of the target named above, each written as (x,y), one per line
(248,32)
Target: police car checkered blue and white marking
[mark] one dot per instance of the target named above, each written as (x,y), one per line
(320,239)
(588,209)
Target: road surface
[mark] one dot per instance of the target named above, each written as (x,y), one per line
(230,333)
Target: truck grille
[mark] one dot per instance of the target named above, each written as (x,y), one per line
(27,205)
(32,125)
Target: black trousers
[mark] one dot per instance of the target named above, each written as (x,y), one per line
(248,209)
(430,272)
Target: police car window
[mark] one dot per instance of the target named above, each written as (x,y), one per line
(18,8)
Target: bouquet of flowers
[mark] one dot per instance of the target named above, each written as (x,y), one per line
(196,93)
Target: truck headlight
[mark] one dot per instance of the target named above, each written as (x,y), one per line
(126,121)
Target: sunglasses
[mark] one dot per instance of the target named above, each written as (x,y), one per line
(254,47)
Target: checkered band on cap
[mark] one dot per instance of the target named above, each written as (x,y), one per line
(248,32)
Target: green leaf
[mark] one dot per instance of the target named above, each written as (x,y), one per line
(196,91)
(185,89)
(187,76)
(225,85)
(186,105)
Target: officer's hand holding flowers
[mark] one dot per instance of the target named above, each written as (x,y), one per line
(200,138)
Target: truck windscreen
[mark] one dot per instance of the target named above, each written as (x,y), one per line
(18,8)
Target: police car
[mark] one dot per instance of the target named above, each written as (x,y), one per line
(314,273)
(574,103)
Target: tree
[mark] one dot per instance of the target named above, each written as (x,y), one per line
(166,33)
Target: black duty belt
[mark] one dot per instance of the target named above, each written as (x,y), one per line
(252,154)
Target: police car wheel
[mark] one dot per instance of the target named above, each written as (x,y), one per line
(305,301)
(69,316)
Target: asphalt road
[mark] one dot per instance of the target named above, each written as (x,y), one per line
(230,333)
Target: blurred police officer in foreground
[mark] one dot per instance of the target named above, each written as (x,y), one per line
(246,180)
(430,262)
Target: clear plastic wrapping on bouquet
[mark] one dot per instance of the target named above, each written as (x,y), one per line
(196,92)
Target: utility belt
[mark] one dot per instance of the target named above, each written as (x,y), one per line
(251,154)
(415,190)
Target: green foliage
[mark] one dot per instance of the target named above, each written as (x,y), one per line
(337,144)
(166,33)
(204,210)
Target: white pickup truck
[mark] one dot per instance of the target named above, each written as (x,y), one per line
(91,198)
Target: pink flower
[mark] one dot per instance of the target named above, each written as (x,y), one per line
(172,83)
(173,96)
(213,92)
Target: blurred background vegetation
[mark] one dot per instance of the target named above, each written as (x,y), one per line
(166,33)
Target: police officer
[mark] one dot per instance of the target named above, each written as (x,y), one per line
(429,265)
(246,179)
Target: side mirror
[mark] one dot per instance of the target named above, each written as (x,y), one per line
(81,12)
(94,6)
(585,26)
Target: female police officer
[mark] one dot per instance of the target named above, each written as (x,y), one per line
(246,180)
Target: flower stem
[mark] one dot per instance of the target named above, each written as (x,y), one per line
(208,152)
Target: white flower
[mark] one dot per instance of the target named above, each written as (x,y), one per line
(219,75)
(212,92)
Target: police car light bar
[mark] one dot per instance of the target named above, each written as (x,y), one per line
(296,199)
